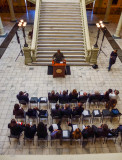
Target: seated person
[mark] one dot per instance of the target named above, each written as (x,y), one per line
(114,95)
(64,97)
(15,129)
(42,130)
(30,131)
(73,95)
(18,111)
(56,111)
(78,109)
(83,97)
(111,103)
(58,56)
(120,128)
(75,134)
(87,132)
(101,131)
(56,130)
(66,110)
(23,96)
(52,96)
(32,112)
(95,96)
(106,95)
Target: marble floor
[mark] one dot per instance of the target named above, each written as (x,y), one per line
(15,76)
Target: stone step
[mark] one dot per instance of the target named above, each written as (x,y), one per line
(60,29)
(55,18)
(66,56)
(68,63)
(67,59)
(61,26)
(61,48)
(59,23)
(59,42)
(61,14)
(59,32)
(60,3)
(59,20)
(60,39)
(61,45)
(66,53)
(61,35)
(76,12)
(60,9)
(60,6)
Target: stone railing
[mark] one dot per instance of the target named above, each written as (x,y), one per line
(86,31)
(35,29)
(32,1)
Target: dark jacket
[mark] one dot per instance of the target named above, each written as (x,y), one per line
(82,98)
(31,112)
(19,112)
(66,112)
(88,132)
(53,97)
(63,98)
(15,130)
(29,132)
(77,111)
(42,132)
(113,57)
(56,112)
(73,96)
(23,97)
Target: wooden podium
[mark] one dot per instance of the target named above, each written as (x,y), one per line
(59,69)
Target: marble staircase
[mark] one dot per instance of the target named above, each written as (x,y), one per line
(60,27)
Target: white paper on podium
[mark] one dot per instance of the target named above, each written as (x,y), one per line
(65,133)
(75,127)
(53,106)
(96,112)
(85,113)
(81,93)
(43,99)
(55,126)
(61,62)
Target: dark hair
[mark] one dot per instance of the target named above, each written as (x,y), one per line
(57,106)
(110,90)
(13,122)
(74,91)
(16,107)
(64,92)
(20,93)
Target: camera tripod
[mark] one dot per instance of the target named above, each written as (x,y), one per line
(21,51)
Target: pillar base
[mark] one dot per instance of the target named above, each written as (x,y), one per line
(116,37)
(4,35)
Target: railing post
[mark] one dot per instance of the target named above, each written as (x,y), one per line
(27,54)
(94,55)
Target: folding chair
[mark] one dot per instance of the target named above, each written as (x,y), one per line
(86,115)
(96,114)
(33,100)
(14,136)
(43,100)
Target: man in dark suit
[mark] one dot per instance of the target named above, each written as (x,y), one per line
(58,56)
(23,96)
(112,59)
(64,97)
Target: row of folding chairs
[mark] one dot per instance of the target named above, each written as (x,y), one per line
(66,137)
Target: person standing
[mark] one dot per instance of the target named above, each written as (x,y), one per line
(112,59)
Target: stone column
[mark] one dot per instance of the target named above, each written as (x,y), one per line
(2,33)
(94,54)
(27,54)
(107,11)
(119,27)
(13,18)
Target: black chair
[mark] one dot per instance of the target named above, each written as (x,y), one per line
(99,137)
(28,139)
(74,102)
(43,100)
(87,139)
(15,137)
(52,102)
(43,117)
(105,114)
(23,102)
(66,136)
(115,116)
(86,115)
(95,101)
(33,100)
(96,114)
(112,136)
(76,117)
(43,140)
(34,118)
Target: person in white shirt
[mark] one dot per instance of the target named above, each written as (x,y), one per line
(114,95)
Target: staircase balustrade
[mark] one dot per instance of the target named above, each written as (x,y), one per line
(86,31)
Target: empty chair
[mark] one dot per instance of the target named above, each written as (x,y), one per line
(115,114)
(66,136)
(42,100)
(34,100)
(105,114)
(96,114)
(86,115)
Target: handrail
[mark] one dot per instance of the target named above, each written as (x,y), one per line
(83,9)
(32,1)
(89,1)
(36,23)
